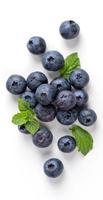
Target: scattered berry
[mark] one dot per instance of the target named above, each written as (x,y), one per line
(81,97)
(36,45)
(66,144)
(22,129)
(87,117)
(30,98)
(61,84)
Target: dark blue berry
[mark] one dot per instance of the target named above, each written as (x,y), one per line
(35,79)
(52,60)
(43,137)
(81,97)
(53,167)
(69,29)
(61,84)
(67,144)
(65,100)
(29,97)
(79,78)
(22,129)
(67,117)
(16,84)
(45,113)
(87,117)
(45,94)
(36,45)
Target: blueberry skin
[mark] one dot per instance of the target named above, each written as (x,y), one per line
(45,113)
(29,97)
(67,117)
(87,117)
(67,144)
(43,137)
(52,61)
(69,29)
(53,167)
(61,84)
(81,97)
(45,94)
(65,100)
(16,84)
(36,45)
(35,79)
(79,78)
(22,129)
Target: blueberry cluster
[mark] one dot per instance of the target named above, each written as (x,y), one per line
(63,99)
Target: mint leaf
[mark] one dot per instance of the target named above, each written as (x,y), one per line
(71,63)
(32,126)
(21,118)
(83,138)
(23,105)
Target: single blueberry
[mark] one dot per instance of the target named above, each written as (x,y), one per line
(65,100)
(81,97)
(53,167)
(61,84)
(45,113)
(45,94)
(35,79)
(22,129)
(79,78)
(43,137)
(69,29)
(87,117)
(67,144)
(36,45)
(29,97)
(16,84)
(52,61)
(67,117)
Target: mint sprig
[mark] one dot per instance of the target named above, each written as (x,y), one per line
(83,139)
(26,117)
(71,63)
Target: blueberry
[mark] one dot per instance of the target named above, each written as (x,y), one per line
(30,98)
(45,94)
(81,97)
(69,29)
(45,113)
(61,84)
(22,129)
(65,100)
(35,79)
(53,167)
(87,117)
(16,84)
(67,144)
(36,45)
(67,117)
(52,61)
(79,78)
(43,137)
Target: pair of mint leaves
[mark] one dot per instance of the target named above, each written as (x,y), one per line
(27,116)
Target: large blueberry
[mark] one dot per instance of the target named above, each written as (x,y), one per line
(69,29)
(16,84)
(79,78)
(61,84)
(22,129)
(30,98)
(67,117)
(35,79)
(45,94)
(65,100)
(52,60)
(66,144)
(87,117)
(53,167)
(81,97)
(45,113)
(43,137)
(36,45)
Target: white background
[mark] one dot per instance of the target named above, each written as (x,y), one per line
(21,163)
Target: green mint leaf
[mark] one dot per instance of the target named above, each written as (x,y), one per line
(23,105)
(71,63)
(83,138)
(32,126)
(21,118)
